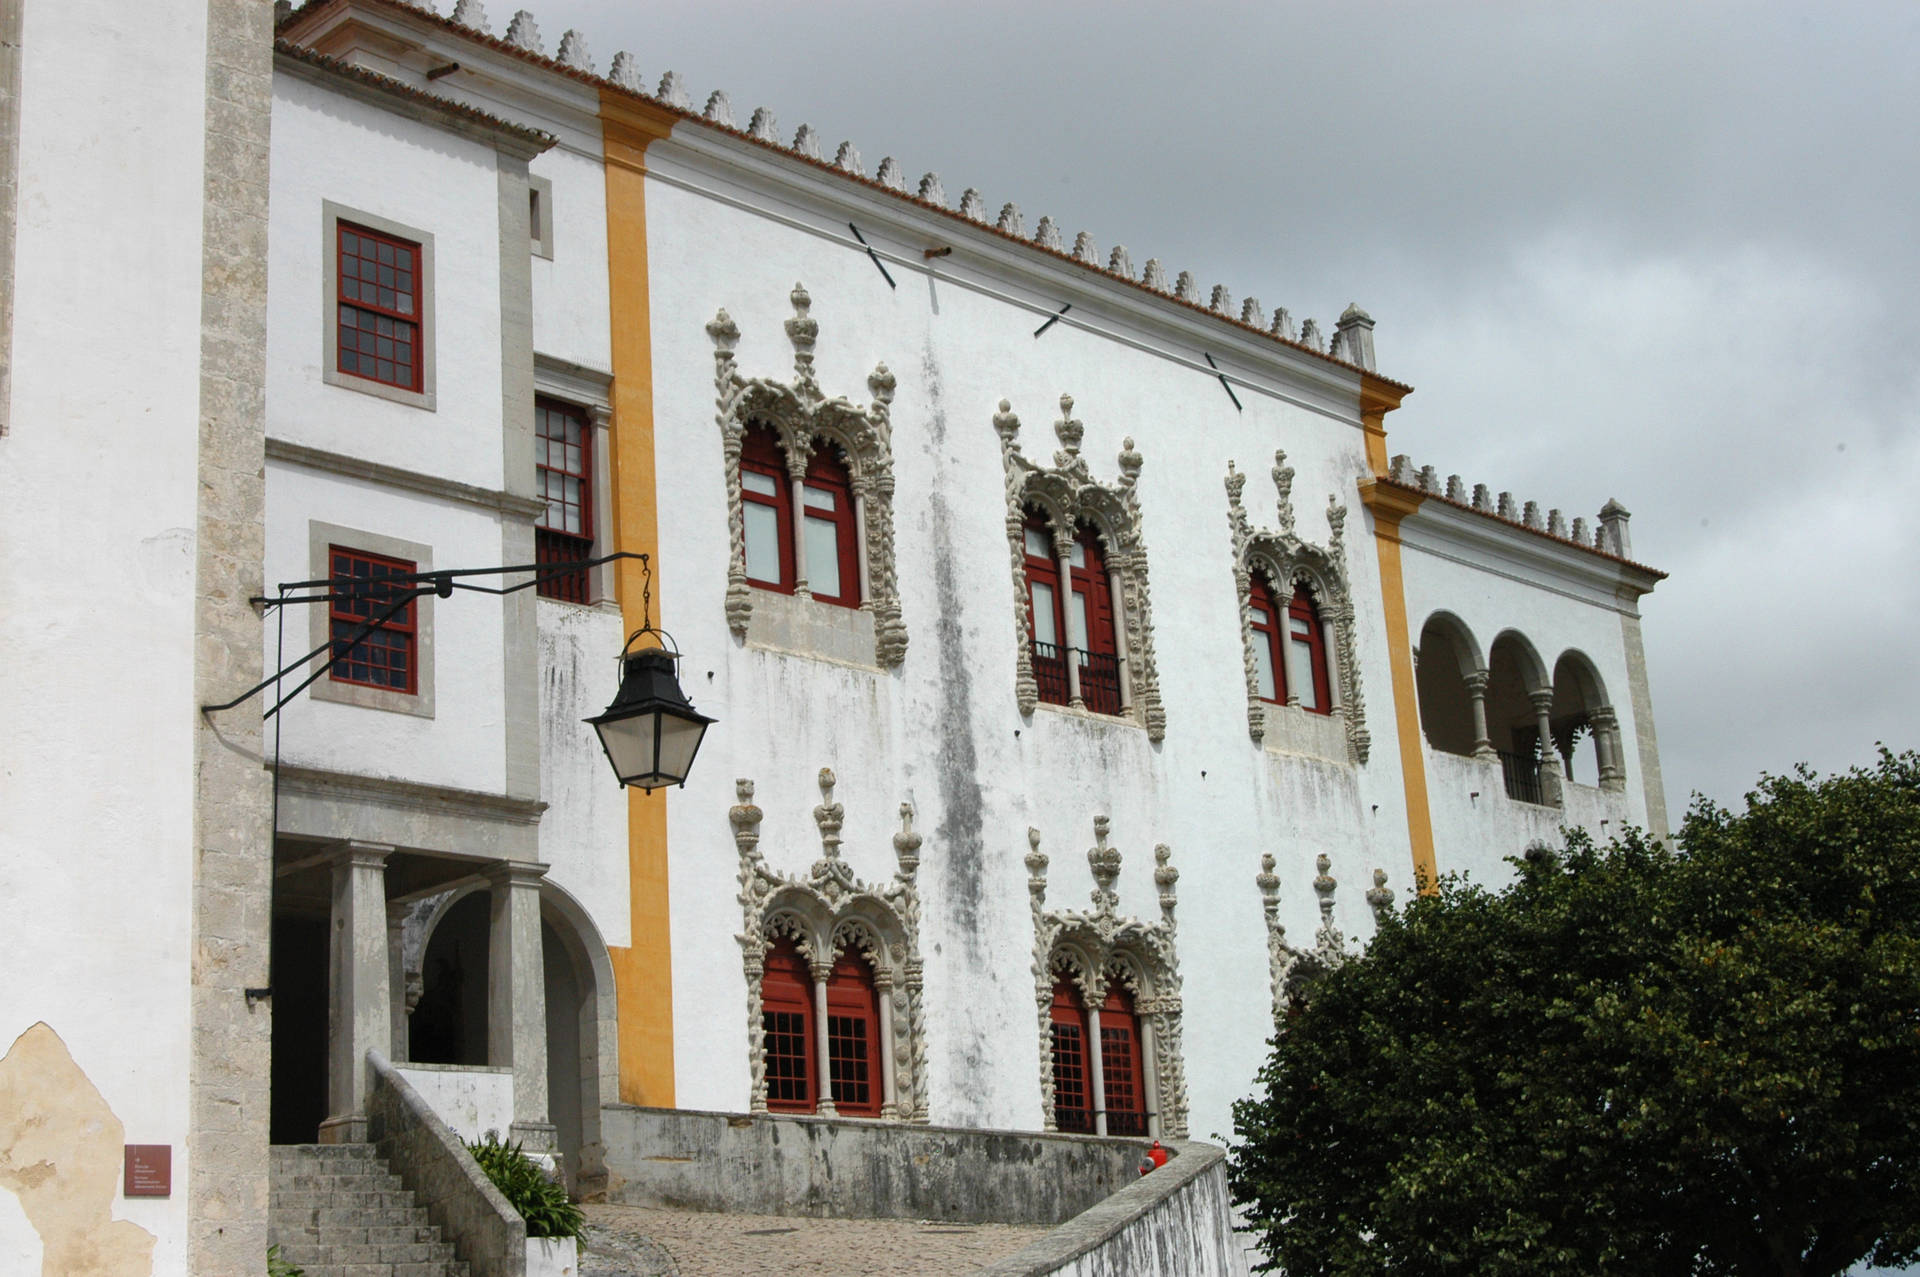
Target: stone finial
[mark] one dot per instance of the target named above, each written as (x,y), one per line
(625,72)
(1530,515)
(1006,424)
(847,160)
(1070,431)
(1379,896)
(673,91)
(745,818)
(1456,489)
(1355,328)
(1155,275)
(1011,221)
(1401,470)
(725,334)
(1613,529)
(472,15)
(1337,531)
(1221,300)
(1338,346)
(1105,863)
(807,142)
(720,109)
(1120,262)
(1506,509)
(1283,485)
(1580,533)
(931,191)
(1282,325)
(1036,867)
(890,174)
(1269,884)
(1165,877)
(1252,313)
(524,33)
(803,331)
(906,843)
(1556,524)
(1323,887)
(573,52)
(1310,335)
(880,384)
(1236,482)
(762,126)
(1185,288)
(1429,480)
(1085,250)
(1047,234)
(828,815)
(1483,498)
(1129,462)
(973,206)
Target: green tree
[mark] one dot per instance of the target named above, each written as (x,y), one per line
(1631,1059)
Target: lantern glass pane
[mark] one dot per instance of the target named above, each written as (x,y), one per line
(629,744)
(679,738)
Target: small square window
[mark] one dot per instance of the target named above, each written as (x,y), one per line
(378,318)
(391,667)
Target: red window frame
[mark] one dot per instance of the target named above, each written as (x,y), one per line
(1100,662)
(1268,632)
(1304,612)
(1072,1061)
(388,657)
(828,473)
(1049,668)
(853,1038)
(1122,1073)
(786,1028)
(760,453)
(563,475)
(377,321)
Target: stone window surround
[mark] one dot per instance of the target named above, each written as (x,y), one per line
(1068,495)
(320,538)
(331,215)
(823,913)
(800,415)
(1093,949)
(540,216)
(1291,971)
(1286,561)
(591,390)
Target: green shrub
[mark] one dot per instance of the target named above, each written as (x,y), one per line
(540,1201)
(279,1267)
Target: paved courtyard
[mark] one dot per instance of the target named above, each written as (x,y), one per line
(636,1241)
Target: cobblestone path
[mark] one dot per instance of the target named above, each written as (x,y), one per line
(636,1241)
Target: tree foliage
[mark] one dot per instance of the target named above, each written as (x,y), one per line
(1632,1059)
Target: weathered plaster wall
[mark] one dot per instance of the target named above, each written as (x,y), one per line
(98,509)
(583,834)
(944,731)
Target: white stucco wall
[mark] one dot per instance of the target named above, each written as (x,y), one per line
(944,731)
(471,1100)
(97,513)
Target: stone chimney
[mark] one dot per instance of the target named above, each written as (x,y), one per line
(1613,526)
(1355,334)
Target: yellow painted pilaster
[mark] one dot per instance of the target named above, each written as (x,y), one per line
(643,971)
(1390,504)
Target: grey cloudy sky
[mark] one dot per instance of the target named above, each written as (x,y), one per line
(1663,253)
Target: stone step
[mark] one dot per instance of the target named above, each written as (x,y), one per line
(336,1211)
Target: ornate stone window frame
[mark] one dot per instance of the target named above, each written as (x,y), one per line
(823,913)
(1291,972)
(801,415)
(1068,494)
(1095,948)
(1287,561)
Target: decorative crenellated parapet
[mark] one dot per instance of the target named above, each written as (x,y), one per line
(625,73)
(472,14)
(1068,495)
(1292,971)
(801,415)
(1289,562)
(1608,535)
(524,33)
(1099,947)
(973,205)
(825,913)
(573,52)
(891,175)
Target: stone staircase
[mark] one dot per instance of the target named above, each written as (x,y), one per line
(336,1211)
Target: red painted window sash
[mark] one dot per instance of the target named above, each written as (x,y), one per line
(851,994)
(1268,632)
(401,623)
(412,321)
(786,987)
(1050,674)
(1314,640)
(825,470)
(557,545)
(1072,1061)
(1123,1073)
(1090,582)
(760,453)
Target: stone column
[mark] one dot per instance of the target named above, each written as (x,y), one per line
(1063,556)
(1296,676)
(860,545)
(889,1099)
(1606,742)
(1096,1071)
(517,998)
(397,980)
(1550,793)
(823,1088)
(1147,1024)
(1332,649)
(800,586)
(359,1006)
(1120,650)
(1477,693)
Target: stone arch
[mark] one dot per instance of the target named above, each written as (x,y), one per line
(1586,731)
(1450,676)
(1519,699)
(447,1019)
(583,1036)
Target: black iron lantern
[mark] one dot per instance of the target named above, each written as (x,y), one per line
(650,732)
